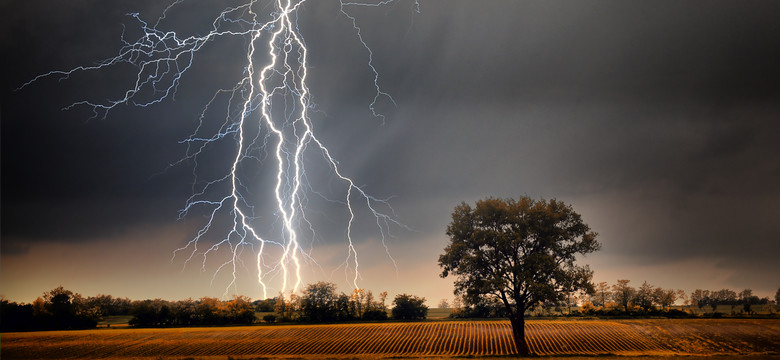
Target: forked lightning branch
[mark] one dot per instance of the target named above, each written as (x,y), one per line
(268,121)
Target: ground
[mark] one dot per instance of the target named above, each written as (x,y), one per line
(754,338)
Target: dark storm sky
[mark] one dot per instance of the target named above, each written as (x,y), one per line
(657,120)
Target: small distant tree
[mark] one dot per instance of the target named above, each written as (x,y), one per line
(458,309)
(59,301)
(39,308)
(588,308)
(644,296)
(666,297)
(318,302)
(374,310)
(444,304)
(682,296)
(409,307)
(68,310)
(343,308)
(623,293)
(600,295)
(700,298)
(747,299)
(356,301)
(777,298)
(368,301)
(107,305)
(185,312)
(209,311)
(153,313)
(572,300)
(266,305)
(287,309)
(457,302)
(240,310)
(722,297)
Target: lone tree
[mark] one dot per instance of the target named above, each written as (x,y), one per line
(520,252)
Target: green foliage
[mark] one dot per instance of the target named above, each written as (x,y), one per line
(666,297)
(270,319)
(623,294)
(287,309)
(702,298)
(17,317)
(520,252)
(409,307)
(375,314)
(205,311)
(239,310)
(601,294)
(747,299)
(150,313)
(344,308)
(318,303)
(58,309)
(644,297)
(266,305)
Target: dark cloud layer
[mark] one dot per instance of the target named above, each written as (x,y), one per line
(664,112)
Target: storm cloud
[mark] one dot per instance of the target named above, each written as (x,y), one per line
(657,120)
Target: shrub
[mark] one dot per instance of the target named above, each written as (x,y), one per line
(588,308)
(375,314)
(676,313)
(409,307)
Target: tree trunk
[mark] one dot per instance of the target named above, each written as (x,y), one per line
(518,333)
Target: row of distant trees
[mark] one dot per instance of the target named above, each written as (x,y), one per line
(60,309)
(703,298)
(622,299)
(648,298)
(63,309)
(320,303)
(204,311)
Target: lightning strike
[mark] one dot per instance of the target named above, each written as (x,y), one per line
(267,117)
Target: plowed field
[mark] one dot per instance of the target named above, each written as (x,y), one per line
(546,337)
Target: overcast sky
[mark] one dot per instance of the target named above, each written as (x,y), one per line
(658,121)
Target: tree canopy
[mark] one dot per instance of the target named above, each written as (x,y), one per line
(521,252)
(409,307)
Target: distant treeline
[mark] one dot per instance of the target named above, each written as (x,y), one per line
(621,300)
(63,309)
(320,303)
(60,309)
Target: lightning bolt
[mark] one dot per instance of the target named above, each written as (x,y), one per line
(267,117)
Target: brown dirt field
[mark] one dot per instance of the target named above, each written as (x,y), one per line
(758,338)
